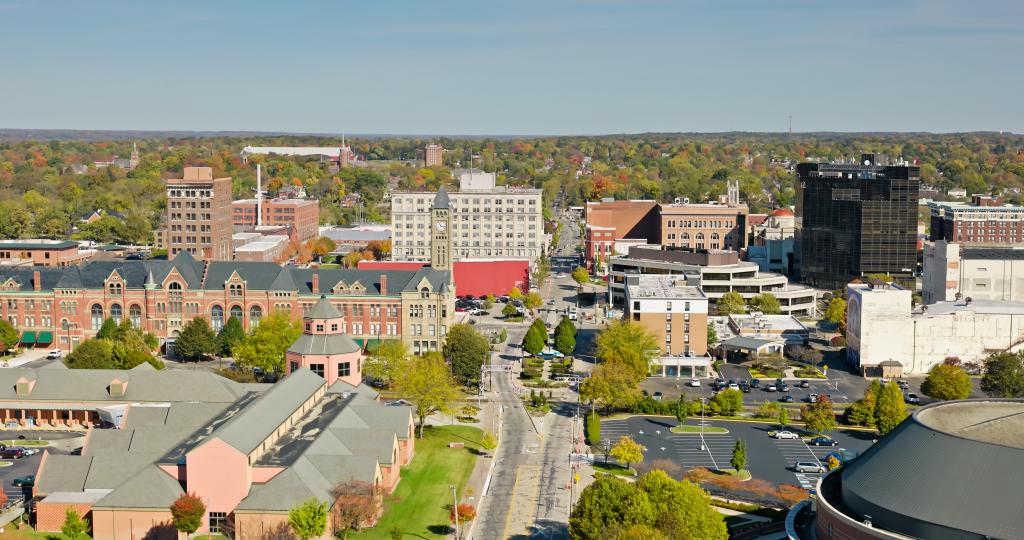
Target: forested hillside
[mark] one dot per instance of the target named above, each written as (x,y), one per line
(42,195)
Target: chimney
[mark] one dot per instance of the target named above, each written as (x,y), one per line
(383,285)
(37,284)
(259,195)
(316,284)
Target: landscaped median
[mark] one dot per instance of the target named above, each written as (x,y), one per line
(24,442)
(420,505)
(696,430)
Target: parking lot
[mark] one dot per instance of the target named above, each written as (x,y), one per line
(62,443)
(767,458)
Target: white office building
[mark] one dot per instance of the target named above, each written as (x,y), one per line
(488,221)
(953,272)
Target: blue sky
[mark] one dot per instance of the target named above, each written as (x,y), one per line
(524,67)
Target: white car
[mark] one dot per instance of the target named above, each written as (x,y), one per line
(734,386)
(54,354)
(695,383)
(782,435)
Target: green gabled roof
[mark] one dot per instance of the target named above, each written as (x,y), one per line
(324,344)
(149,488)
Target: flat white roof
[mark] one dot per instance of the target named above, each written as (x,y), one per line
(987,307)
(669,287)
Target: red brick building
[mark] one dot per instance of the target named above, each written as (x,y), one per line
(475,277)
(69,304)
(301,214)
(611,220)
(986,220)
(41,252)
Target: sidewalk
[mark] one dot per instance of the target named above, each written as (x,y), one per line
(477,485)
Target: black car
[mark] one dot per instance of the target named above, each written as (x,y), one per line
(745,386)
(755,383)
(823,441)
(786,399)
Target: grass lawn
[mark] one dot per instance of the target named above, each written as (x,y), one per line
(696,429)
(420,504)
(743,475)
(613,468)
(11,532)
(25,442)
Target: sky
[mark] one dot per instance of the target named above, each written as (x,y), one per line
(529,67)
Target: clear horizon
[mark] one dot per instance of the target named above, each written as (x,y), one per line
(534,68)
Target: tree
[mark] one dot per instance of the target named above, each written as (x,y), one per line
(946,382)
(608,502)
(488,442)
(768,409)
(427,382)
(712,335)
(681,503)
(533,300)
(730,303)
(593,429)
(629,345)
(466,350)
(636,531)
(308,519)
(728,402)
(231,334)
(565,336)
(766,303)
(818,416)
(682,409)
(515,294)
(1004,375)
(610,386)
(196,340)
(836,311)
(466,512)
(783,417)
(739,455)
(357,503)
(73,526)
(266,346)
(107,330)
(627,451)
(509,311)
(580,275)
(536,337)
(8,335)
(187,513)
(890,409)
(91,354)
(385,362)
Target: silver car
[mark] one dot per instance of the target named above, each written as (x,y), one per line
(809,467)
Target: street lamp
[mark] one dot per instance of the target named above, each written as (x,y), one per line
(702,447)
(455,510)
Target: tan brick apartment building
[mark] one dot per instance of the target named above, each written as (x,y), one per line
(433,155)
(161,296)
(301,214)
(676,313)
(199,215)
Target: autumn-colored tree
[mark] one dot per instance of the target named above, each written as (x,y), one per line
(357,504)
(187,513)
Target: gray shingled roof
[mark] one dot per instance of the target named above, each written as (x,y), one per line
(323,344)
(63,473)
(148,488)
(441,199)
(309,476)
(254,423)
(91,385)
(323,310)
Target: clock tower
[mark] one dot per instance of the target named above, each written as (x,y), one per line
(440,232)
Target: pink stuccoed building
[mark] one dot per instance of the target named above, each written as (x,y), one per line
(324,349)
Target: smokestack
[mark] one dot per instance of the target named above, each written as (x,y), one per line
(37,284)
(259,196)
(383,284)
(316,284)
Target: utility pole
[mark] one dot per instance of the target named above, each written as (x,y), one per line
(455,511)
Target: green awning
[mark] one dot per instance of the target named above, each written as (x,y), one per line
(28,338)
(359,341)
(45,338)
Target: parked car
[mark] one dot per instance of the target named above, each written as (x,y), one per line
(24,481)
(809,467)
(695,383)
(912,398)
(813,398)
(786,399)
(398,403)
(903,384)
(54,354)
(745,386)
(805,384)
(769,388)
(12,453)
(551,302)
(822,441)
(733,385)
(658,396)
(755,383)
(782,388)
(783,434)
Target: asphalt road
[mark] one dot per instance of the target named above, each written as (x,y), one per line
(767,458)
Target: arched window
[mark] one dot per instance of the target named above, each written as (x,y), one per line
(255,314)
(714,236)
(217,318)
(135,315)
(700,236)
(235,289)
(97,316)
(115,313)
(174,297)
(684,236)
(236,312)
(115,288)
(174,286)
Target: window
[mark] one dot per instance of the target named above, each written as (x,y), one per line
(115,313)
(217,318)
(255,314)
(294,366)
(344,369)
(218,522)
(96,313)
(317,368)
(115,288)
(236,312)
(334,328)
